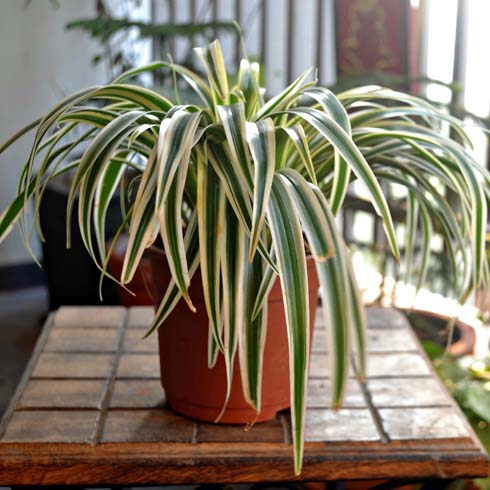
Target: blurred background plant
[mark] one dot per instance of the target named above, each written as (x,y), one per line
(468,380)
(117,32)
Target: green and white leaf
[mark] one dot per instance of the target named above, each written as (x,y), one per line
(211,220)
(288,245)
(262,141)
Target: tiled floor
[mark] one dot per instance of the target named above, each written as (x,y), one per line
(22,314)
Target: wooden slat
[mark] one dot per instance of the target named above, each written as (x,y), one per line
(140,317)
(422,423)
(87,417)
(50,426)
(62,393)
(379,340)
(272,431)
(397,364)
(72,365)
(319,394)
(320,365)
(137,393)
(82,339)
(139,366)
(133,342)
(89,316)
(147,426)
(346,425)
(403,392)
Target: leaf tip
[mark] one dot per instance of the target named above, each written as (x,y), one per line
(298,466)
(189,302)
(324,257)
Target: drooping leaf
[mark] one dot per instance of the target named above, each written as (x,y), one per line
(410,233)
(252,335)
(321,232)
(297,135)
(261,138)
(92,164)
(233,119)
(288,244)
(341,141)
(173,157)
(427,233)
(106,187)
(210,216)
(311,215)
(173,294)
(332,106)
(236,193)
(233,263)
(144,220)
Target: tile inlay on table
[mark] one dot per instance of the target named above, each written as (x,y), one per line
(91,411)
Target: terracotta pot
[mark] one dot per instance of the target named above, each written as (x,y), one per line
(196,391)
(464,338)
(142,281)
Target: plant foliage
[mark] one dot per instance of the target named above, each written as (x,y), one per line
(245,188)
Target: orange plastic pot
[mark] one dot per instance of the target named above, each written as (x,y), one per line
(141,283)
(194,390)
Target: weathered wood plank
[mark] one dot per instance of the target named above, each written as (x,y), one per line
(340,425)
(82,339)
(423,423)
(72,393)
(139,366)
(271,431)
(390,340)
(133,341)
(400,423)
(378,340)
(140,317)
(89,316)
(320,365)
(397,364)
(160,425)
(50,426)
(72,365)
(403,392)
(319,393)
(141,393)
(162,463)
(388,318)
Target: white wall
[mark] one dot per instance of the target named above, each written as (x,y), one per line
(40,62)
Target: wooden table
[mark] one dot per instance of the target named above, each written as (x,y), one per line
(90,411)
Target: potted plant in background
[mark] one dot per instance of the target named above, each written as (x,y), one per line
(239,197)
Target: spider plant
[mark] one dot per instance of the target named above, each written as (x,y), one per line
(245,188)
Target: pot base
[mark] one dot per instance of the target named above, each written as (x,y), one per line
(232,416)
